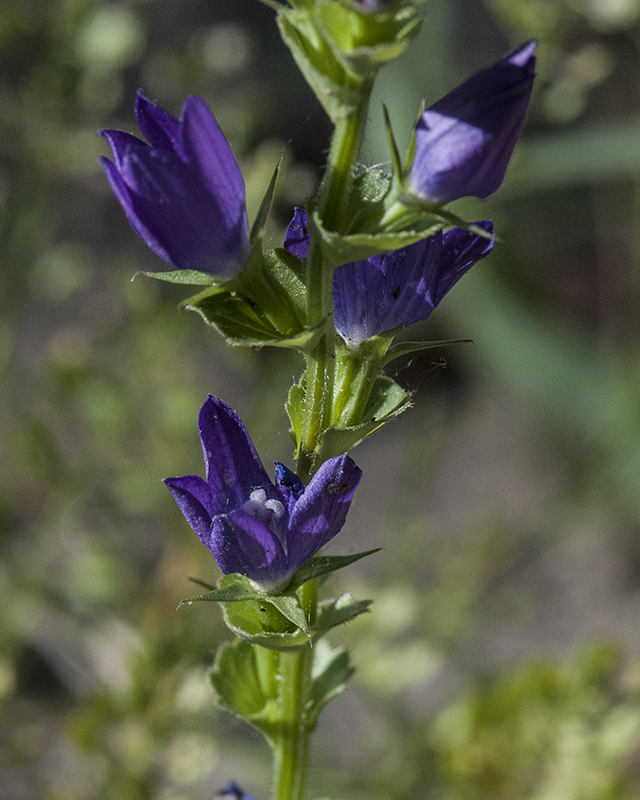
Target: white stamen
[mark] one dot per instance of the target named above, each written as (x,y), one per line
(257,505)
(275,506)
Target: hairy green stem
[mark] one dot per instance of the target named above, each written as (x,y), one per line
(294,689)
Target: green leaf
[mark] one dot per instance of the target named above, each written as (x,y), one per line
(327,77)
(190,277)
(289,606)
(260,222)
(331,670)
(238,320)
(337,612)
(295,411)
(323,565)
(230,594)
(393,147)
(289,273)
(358,246)
(246,620)
(240,690)
(386,401)
(404,348)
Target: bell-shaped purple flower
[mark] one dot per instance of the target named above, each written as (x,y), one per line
(397,288)
(183,192)
(464,141)
(251,526)
(404,286)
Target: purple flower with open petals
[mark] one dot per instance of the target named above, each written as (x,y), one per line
(465,140)
(183,192)
(251,526)
(397,288)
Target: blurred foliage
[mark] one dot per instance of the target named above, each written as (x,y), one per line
(506,501)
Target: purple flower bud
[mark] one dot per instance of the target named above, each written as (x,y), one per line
(251,526)
(464,141)
(397,288)
(234,792)
(183,192)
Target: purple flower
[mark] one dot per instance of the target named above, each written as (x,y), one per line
(183,192)
(251,526)
(397,288)
(235,792)
(404,286)
(464,141)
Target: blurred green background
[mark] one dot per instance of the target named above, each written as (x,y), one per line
(502,657)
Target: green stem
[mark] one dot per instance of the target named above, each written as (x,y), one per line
(292,744)
(331,207)
(294,692)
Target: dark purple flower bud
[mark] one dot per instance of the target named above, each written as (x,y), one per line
(183,192)
(402,287)
(464,141)
(251,526)
(234,792)
(296,239)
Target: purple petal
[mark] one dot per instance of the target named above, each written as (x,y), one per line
(297,237)
(289,485)
(129,205)
(241,543)
(403,287)
(184,194)
(159,127)
(322,509)
(233,467)
(385,291)
(175,207)
(465,140)
(120,142)
(208,153)
(193,497)
(461,249)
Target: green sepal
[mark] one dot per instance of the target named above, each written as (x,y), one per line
(264,306)
(337,612)
(331,670)
(386,401)
(396,164)
(259,224)
(247,620)
(295,410)
(343,249)
(236,588)
(320,566)
(262,624)
(336,89)
(404,348)
(188,277)
(340,47)
(364,41)
(243,688)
